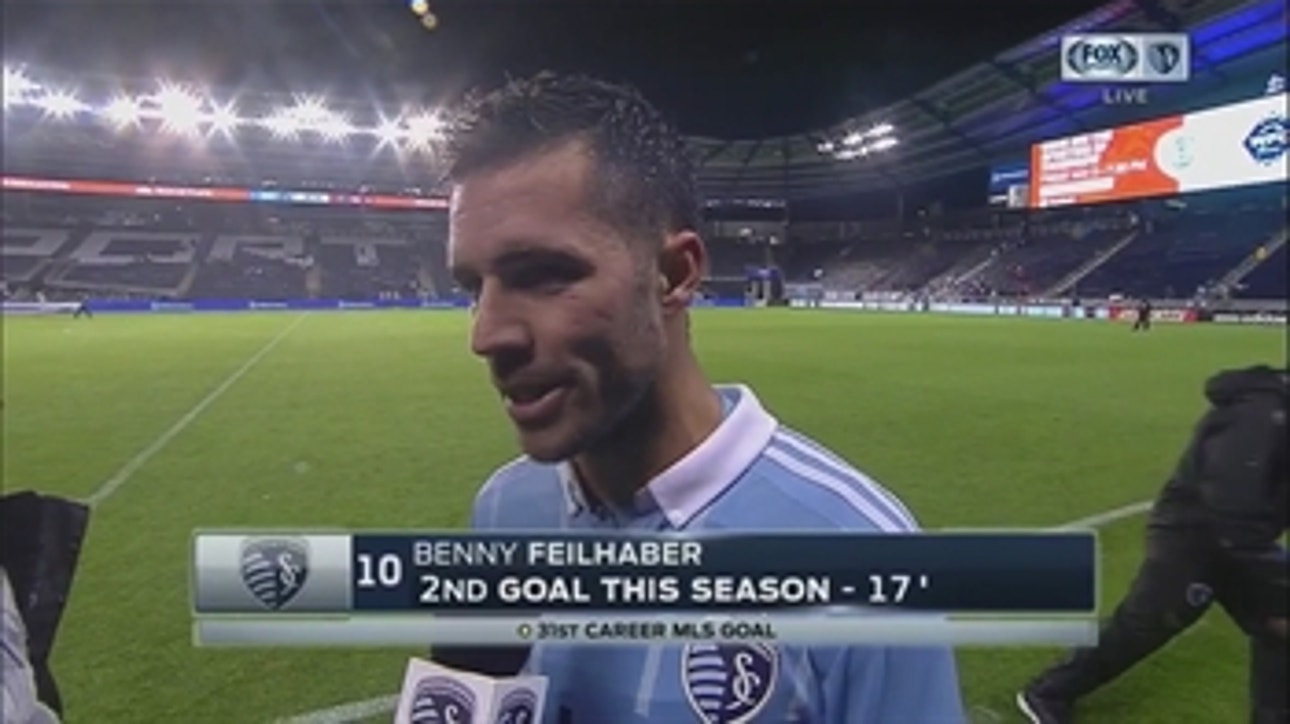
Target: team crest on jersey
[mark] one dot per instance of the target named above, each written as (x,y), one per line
(728,684)
(274,570)
(441,700)
(518,707)
(1199,594)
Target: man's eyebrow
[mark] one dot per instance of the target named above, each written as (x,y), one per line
(536,255)
(518,258)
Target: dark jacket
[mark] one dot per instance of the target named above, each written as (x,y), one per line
(40,545)
(1229,487)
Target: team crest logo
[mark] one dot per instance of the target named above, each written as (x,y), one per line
(1164,57)
(275,569)
(1266,142)
(1199,594)
(728,684)
(440,700)
(1276,84)
(518,707)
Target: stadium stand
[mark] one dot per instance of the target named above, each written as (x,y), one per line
(1180,256)
(1039,259)
(1268,279)
(196,252)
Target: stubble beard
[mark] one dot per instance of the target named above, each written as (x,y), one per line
(627,369)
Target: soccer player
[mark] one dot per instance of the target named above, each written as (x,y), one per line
(83,308)
(1142,315)
(574,225)
(1214,534)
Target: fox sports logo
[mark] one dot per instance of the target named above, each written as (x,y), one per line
(1102,58)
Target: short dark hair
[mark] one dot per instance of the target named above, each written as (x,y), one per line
(644,181)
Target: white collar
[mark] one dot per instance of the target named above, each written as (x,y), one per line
(693,482)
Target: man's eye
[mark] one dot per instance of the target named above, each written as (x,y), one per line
(545,279)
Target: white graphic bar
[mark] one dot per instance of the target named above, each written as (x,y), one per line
(403,631)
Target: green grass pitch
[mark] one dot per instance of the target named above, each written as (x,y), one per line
(382,419)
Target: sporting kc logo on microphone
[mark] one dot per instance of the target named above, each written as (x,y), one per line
(518,707)
(441,700)
(1126,58)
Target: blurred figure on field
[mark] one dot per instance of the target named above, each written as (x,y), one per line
(1214,534)
(1142,318)
(83,308)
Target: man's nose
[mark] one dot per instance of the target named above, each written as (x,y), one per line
(499,325)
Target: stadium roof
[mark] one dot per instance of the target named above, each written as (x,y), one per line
(721,68)
(998,108)
(988,112)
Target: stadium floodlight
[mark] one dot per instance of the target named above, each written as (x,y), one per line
(309,108)
(281,124)
(60,104)
(123,111)
(333,127)
(853,139)
(884,143)
(311,114)
(388,133)
(880,130)
(17,87)
(223,119)
(424,128)
(180,110)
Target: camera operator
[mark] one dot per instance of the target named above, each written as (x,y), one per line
(1214,534)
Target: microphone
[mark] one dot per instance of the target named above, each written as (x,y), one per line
(435,694)
(497,661)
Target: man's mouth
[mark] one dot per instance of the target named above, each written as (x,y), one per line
(532,404)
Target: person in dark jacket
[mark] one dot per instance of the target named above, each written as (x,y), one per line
(1142,316)
(83,308)
(1213,535)
(40,545)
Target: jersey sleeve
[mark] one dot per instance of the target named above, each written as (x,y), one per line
(894,684)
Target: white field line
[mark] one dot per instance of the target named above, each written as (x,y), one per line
(358,711)
(127,471)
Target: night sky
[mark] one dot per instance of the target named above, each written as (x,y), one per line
(725,69)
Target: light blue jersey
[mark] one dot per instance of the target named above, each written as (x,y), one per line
(750,475)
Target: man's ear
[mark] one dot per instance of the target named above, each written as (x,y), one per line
(682,265)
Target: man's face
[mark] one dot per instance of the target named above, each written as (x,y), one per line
(567,316)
